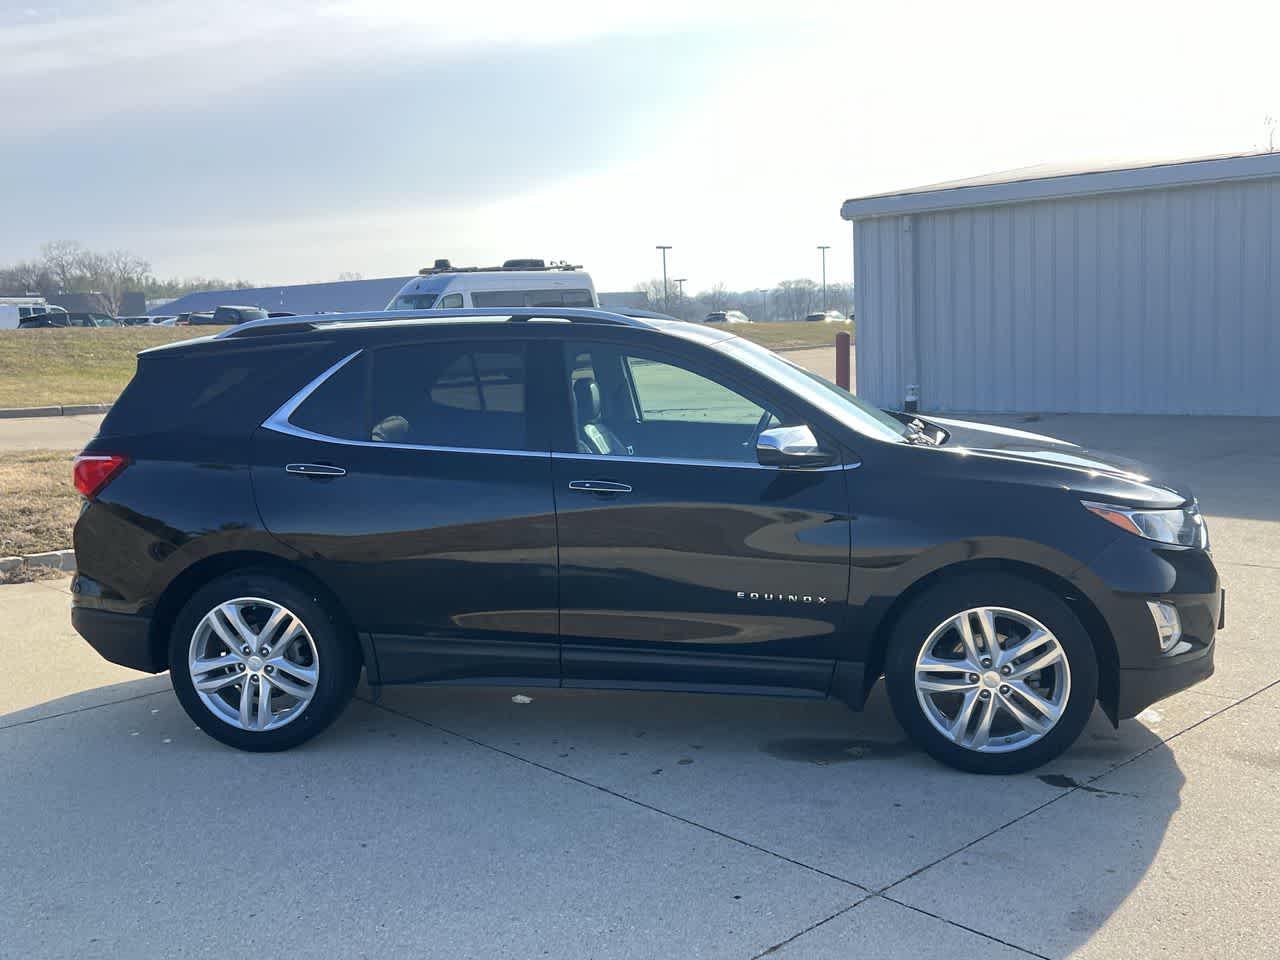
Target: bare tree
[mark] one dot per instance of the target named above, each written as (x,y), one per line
(652,289)
(717,298)
(795,298)
(113,274)
(64,261)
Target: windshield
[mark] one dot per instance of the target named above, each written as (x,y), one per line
(823,394)
(413,301)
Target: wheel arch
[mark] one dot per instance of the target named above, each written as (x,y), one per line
(209,568)
(1091,618)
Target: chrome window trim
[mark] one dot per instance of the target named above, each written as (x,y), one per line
(741,464)
(279,422)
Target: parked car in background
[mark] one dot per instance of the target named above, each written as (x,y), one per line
(827,316)
(727,316)
(166,321)
(196,317)
(610,501)
(228,316)
(280,313)
(72,318)
(143,321)
(517,283)
(13,310)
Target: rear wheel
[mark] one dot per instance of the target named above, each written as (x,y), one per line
(991,674)
(260,663)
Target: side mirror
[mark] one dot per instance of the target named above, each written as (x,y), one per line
(791,447)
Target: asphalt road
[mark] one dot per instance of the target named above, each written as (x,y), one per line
(459,823)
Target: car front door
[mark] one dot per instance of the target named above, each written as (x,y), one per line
(683,560)
(416,483)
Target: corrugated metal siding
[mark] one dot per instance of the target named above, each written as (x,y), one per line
(1152,302)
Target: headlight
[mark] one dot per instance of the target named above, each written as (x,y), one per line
(1183,526)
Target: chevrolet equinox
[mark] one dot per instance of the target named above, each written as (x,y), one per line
(577,498)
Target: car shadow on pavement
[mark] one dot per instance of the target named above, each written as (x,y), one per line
(486,775)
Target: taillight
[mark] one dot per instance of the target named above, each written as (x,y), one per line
(93,471)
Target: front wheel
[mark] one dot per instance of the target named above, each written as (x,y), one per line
(991,674)
(260,663)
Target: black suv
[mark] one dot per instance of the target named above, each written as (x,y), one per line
(576,498)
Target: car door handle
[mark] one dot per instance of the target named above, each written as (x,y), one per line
(598,486)
(315,470)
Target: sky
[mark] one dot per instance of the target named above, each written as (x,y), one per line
(292,141)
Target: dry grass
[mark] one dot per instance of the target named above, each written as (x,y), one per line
(38,504)
(77,365)
(784,335)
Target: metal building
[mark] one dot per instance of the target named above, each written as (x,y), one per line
(1129,289)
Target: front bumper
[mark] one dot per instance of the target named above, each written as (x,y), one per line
(1140,687)
(123,638)
(1133,571)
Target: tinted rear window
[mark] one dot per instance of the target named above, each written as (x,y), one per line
(468,395)
(227,391)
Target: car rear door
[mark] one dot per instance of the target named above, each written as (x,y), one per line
(415,481)
(683,560)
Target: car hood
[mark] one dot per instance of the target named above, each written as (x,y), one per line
(1105,475)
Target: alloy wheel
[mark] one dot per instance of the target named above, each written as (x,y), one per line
(992,679)
(253,664)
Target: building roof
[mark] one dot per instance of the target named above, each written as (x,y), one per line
(1054,181)
(343,296)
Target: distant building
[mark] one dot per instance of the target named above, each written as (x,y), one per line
(341,296)
(1145,288)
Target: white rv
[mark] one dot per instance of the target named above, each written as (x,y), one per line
(13,310)
(517,283)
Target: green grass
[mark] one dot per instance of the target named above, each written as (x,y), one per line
(777,336)
(47,367)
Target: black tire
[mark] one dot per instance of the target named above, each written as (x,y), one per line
(963,592)
(337,653)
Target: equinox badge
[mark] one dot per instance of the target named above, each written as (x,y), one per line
(787,597)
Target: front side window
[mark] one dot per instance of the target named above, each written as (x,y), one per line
(633,403)
(464,395)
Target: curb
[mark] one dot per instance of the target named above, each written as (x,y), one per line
(58,559)
(68,410)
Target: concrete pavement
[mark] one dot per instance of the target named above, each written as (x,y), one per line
(455,822)
(48,433)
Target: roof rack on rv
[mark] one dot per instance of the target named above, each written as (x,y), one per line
(273,325)
(443,266)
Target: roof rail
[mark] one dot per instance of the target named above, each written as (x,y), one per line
(280,325)
(443,266)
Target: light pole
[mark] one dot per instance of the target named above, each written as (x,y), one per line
(665,299)
(764,313)
(679,282)
(824,250)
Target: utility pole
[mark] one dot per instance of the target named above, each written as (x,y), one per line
(764,312)
(665,299)
(679,289)
(824,250)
